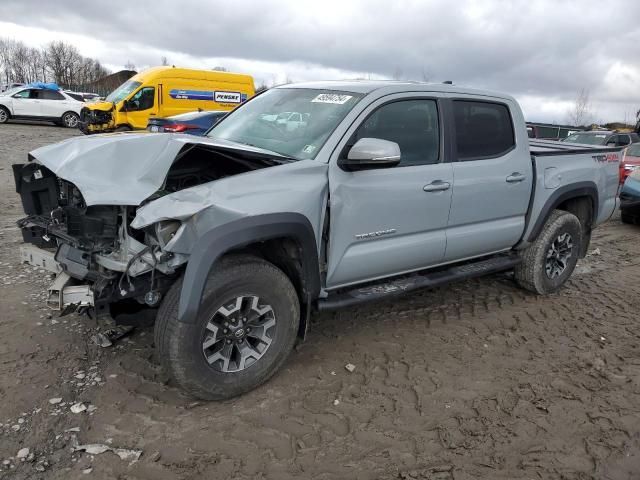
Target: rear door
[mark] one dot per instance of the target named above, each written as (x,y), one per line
(492,179)
(393,220)
(52,104)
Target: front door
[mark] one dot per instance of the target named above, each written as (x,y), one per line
(26,104)
(492,180)
(390,221)
(140,106)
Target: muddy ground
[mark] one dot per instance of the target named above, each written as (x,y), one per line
(475,380)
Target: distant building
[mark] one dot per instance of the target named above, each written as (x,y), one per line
(549,131)
(108,84)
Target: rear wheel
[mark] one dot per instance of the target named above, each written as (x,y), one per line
(549,261)
(4,115)
(70,119)
(123,128)
(246,327)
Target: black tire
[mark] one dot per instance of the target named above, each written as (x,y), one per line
(5,115)
(123,128)
(180,345)
(70,120)
(627,218)
(532,273)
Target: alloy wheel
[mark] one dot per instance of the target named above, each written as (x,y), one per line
(558,255)
(238,334)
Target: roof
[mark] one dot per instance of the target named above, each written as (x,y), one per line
(174,72)
(391,86)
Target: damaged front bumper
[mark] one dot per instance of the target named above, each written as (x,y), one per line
(93,120)
(102,265)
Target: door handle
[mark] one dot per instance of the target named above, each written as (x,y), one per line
(437,186)
(515,177)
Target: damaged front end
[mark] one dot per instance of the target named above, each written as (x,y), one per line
(97,118)
(106,267)
(81,211)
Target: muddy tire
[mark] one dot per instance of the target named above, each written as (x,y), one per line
(246,328)
(549,261)
(4,115)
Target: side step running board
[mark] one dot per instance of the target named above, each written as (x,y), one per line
(406,284)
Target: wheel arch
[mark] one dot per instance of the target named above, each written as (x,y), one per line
(285,239)
(580,199)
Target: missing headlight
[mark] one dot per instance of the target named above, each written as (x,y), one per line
(165,230)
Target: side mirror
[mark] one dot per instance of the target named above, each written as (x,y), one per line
(371,153)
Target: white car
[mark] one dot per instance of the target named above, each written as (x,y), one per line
(40,104)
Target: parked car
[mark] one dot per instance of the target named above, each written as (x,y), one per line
(164,92)
(233,239)
(195,123)
(10,86)
(40,102)
(630,162)
(603,137)
(548,131)
(630,198)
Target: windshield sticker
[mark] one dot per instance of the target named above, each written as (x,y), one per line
(219,96)
(332,98)
(308,148)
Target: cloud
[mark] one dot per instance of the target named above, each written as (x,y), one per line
(541,52)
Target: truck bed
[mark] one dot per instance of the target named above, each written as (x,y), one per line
(546,148)
(562,166)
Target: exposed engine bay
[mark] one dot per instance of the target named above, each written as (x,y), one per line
(125,270)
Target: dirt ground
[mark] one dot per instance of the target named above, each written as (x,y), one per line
(475,380)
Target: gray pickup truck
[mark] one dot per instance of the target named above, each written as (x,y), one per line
(230,241)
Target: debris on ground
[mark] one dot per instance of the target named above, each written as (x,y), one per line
(22,453)
(78,407)
(350,367)
(99,448)
(595,251)
(55,401)
(109,337)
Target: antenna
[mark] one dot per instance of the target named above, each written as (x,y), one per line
(448,82)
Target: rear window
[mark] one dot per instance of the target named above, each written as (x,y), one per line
(483,129)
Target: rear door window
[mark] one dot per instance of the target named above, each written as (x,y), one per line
(483,129)
(49,95)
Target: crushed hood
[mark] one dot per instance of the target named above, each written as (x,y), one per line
(103,106)
(121,168)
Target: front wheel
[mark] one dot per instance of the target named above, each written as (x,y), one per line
(70,119)
(246,327)
(4,115)
(549,261)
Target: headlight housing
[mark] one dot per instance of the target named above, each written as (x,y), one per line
(165,230)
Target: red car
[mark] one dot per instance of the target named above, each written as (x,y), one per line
(630,162)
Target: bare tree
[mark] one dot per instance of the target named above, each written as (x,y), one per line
(129,65)
(220,69)
(580,113)
(398,74)
(163,61)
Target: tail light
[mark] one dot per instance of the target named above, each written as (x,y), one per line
(179,127)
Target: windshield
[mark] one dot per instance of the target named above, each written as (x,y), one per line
(634,150)
(268,120)
(122,91)
(587,138)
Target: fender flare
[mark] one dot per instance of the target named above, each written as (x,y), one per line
(239,233)
(562,194)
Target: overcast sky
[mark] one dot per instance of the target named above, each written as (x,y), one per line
(542,52)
